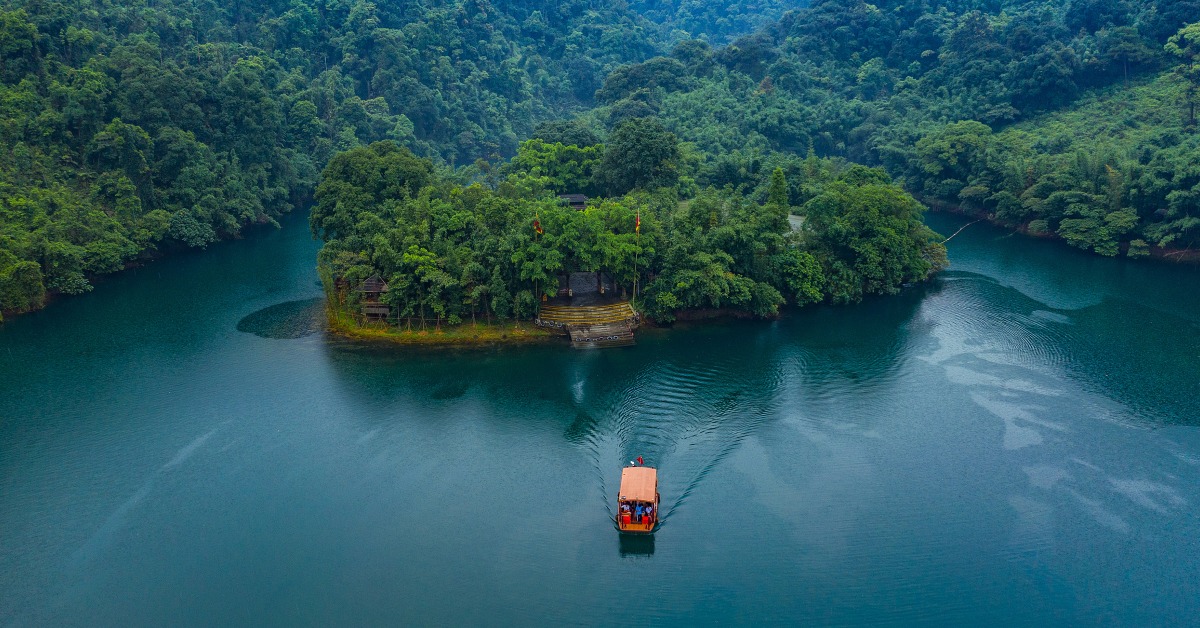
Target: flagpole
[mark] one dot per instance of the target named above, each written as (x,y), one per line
(637,230)
(537,232)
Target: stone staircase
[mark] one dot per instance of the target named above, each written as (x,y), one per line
(592,326)
(602,335)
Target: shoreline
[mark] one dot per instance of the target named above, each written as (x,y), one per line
(342,325)
(1171,256)
(161,250)
(478,334)
(1183,257)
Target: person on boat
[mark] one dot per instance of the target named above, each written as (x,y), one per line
(649,512)
(638,513)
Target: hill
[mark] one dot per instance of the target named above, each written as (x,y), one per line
(955,99)
(129,130)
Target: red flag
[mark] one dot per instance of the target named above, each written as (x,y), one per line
(640,461)
(537,226)
(637,223)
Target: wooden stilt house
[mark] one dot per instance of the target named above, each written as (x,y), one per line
(372,307)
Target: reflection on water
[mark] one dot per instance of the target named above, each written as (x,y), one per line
(682,399)
(1014,443)
(1123,329)
(293,319)
(635,545)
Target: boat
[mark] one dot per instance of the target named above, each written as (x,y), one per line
(637,502)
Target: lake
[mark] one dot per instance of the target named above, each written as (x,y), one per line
(1015,442)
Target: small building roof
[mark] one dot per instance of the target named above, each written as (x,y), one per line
(374,284)
(639,484)
(576,201)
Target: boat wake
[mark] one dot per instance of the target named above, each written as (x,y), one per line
(684,418)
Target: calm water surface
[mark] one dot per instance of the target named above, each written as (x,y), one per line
(1014,443)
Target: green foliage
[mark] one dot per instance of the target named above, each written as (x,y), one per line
(1058,120)
(1185,47)
(956,151)
(128,128)
(777,194)
(21,287)
(871,239)
(563,169)
(451,252)
(357,181)
(566,132)
(659,72)
(717,21)
(640,153)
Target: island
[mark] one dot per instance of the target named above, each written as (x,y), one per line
(411,251)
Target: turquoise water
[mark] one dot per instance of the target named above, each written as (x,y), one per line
(1013,443)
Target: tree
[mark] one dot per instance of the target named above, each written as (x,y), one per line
(360,180)
(1186,46)
(1093,15)
(871,240)
(1169,16)
(955,152)
(640,153)
(18,41)
(1124,45)
(21,287)
(803,277)
(563,169)
(777,194)
(125,148)
(660,72)
(566,132)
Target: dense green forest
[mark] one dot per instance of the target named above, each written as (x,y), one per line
(130,129)
(452,252)
(1074,119)
(715,22)
(134,127)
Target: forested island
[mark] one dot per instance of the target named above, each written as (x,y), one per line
(493,249)
(132,130)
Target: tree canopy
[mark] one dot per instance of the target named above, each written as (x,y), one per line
(450,251)
(133,130)
(1075,121)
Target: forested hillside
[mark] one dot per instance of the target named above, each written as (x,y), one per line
(139,127)
(135,126)
(923,88)
(715,22)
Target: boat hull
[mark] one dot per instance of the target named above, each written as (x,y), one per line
(635,528)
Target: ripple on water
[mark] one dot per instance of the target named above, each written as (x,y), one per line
(285,321)
(684,418)
(977,317)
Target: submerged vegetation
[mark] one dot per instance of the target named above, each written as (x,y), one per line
(142,127)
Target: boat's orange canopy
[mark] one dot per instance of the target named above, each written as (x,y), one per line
(638,484)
